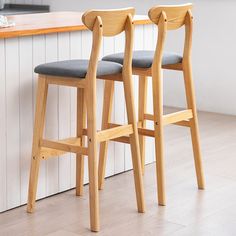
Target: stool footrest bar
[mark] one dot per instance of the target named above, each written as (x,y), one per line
(66,145)
(124,139)
(146,132)
(115,132)
(180,118)
(177,117)
(46,153)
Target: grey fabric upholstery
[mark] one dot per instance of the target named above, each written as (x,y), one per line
(77,68)
(143,59)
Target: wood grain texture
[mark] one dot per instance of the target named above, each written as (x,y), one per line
(175,14)
(113,20)
(47,23)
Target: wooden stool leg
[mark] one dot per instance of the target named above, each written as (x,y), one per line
(190,95)
(135,150)
(157,84)
(81,120)
(106,118)
(142,107)
(38,133)
(92,158)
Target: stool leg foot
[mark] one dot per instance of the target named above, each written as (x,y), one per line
(81,118)
(190,96)
(102,164)
(106,118)
(93,187)
(38,133)
(142,106)
(157,85)
(160,167)
(135,149)
(34,170)
(197,153)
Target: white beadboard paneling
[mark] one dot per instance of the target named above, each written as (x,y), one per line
(3,158)
(51,131)
(39,57)
(119,109)
(13,122)
(64,113)
(75,53)
(86,44)
(26,111)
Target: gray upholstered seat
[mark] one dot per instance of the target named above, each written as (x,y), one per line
(143,58)
(77,68)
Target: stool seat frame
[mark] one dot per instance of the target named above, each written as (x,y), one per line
(166,18)
(101,23)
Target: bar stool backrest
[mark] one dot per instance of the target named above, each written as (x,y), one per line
(175,14)
(110,23)
(167,18)
(113,21)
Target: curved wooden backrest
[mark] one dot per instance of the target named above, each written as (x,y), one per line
(113,21)
(175,14)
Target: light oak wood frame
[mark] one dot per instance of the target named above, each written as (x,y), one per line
(170,18)
(166,18)
(100,23)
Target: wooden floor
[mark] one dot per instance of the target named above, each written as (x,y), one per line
(188,211)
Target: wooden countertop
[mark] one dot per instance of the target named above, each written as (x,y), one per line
(54,22)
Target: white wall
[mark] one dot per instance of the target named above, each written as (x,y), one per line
(213,51)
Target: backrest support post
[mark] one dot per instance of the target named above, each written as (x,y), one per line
(162,29)
(188,38)
(109,23)
(96,47)
(129,38)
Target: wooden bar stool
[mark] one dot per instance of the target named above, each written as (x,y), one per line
(150,64)
(83,74)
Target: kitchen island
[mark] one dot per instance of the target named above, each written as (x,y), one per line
(36,39)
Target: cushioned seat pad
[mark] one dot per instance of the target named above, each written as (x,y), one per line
(77,68)
(144,59)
